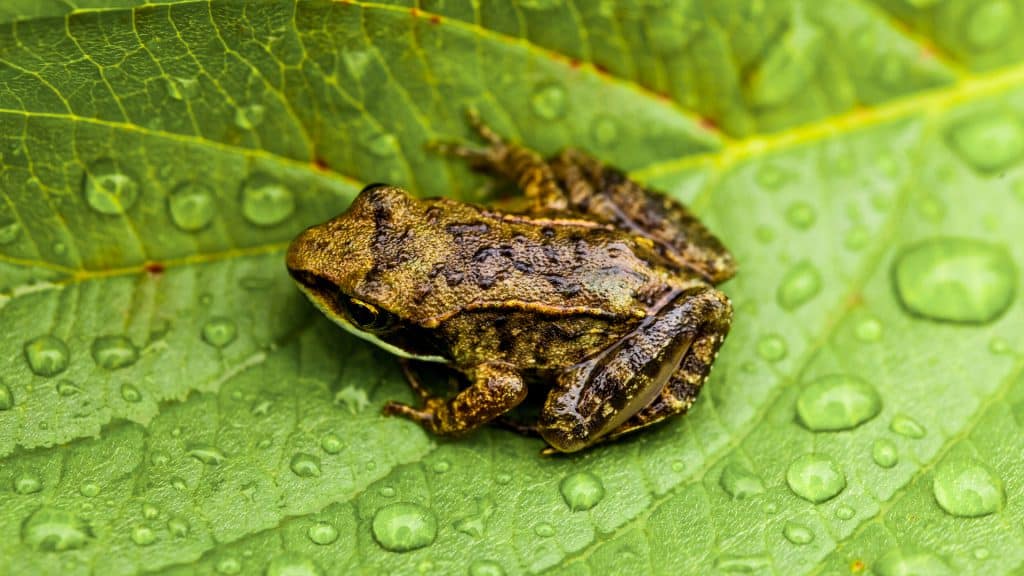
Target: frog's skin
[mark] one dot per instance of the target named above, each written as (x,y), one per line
(601,294)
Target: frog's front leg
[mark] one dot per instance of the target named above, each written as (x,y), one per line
(624,387)
(496,388)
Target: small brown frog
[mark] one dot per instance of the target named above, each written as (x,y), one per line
(600,294)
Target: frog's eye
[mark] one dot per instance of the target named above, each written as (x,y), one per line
(365,315)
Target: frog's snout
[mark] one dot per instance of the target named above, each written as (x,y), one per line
(301,249)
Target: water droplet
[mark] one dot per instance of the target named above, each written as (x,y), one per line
(764,234)
(130,393)
(10,229)
(149,511)
(404,526)
(772,348)
(998,345)
(885,453)
(207,454)
(191,206)
(355,399)
(797,533)
(159,458)
(502,478)
(956,280)
(548,100)
(66,389)
(739,482)
(89,489)
(605,131)
(906,426)
(771,177)
(990,24)
(544,530)
(485,568)
(249,117)
(967,488)
(801,215)
(845,512)
(219,332)
(179,484)
(52,530)
(180,88)
(322,533)
(27,484)
(382,145)
(799,286)
(815,477)
(770,508)
(47,355)
(387,491)
(113,352)
(305,465)
(108,188)
(441,467)
(228,566)
(143,536)
(178,527)
(911,562)
(265,201)
(292,564)
(989,141)
(868,330)
(331,444)
(581,491)
(837,402)
(743,564)
(857,238)
(6,397)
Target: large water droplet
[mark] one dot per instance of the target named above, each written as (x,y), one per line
(815,477)
(956,280)
(27,484)
(797,533)
(113,352)
(404,526)
(548,100)
(192,206)
(485,568)
(207,454)
(771,347)
(108,188)
(47,355)
(265,201)
(52,530)
(990,142)
(292,564)
(305,465)
(143,535)
(837,402)
(911,562)
(739,482)
(990,24)
(800,284)
(884,453)
(219,332)
(967,488)
(581,491)
(322,533)
(331,443)
(6,397)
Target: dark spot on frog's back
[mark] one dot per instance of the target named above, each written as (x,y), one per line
(452,276)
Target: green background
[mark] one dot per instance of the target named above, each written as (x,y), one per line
(170,403)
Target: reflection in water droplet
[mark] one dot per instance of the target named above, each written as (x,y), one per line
(581,491)
(322,533)
(739,482)
(906,426)
(772,348)
(911,562)
(228,566)
(801,215)
(6,397)
(485,568)
(797,533)
(143,536)
(206,454)
(191,206)
(292,564)
(305,465)
(113,352)
(249,117)
(800,284)
(837,402)
(884,453)
(219,332)
(47,355)
(548,100)
(404,526)
(956,280)
(178,527)
(989,141)
(108,188)
(868,330)
(967,488)
(989,25)
(265,201)
(815,477)
(331,443)
(52,530)
(544,530)
(27,484)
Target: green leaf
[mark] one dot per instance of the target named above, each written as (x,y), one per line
(170,403)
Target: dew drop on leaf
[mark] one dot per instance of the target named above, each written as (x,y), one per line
(544,530)
(502,478)
(149,511)
(956,280)
(89,489)
(130,393)
(990,24)
(797,533)
(113,352)
(967,488)
(998,346)
(381,144)
(143,535)
(981,553)
(178,527)
(207,454)
(801,215)
(743,564)
(911,562)
(884,453)
(179,484)
(27,484)
(800,284)
(191,206)
(581,491)
(228,566)
(53,530)
(159,458)
(331,443)
(6,397)
(485,568)
(548,100)
(441,466)
(868,330)
(322,533)
(108,188)
(857,238)
(845,512)
(770,176)
(305,465)
(739,482)
(906,426)
(249,117)
(404,526)
(47,355)
(815,477)
(66,389)
(604,130)
(837,402)
(265,201)
(771,348)
(292,564)
(219,332)
(354,398)
(10,229)
(989,141)
(387,491)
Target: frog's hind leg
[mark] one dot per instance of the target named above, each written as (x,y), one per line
(610,196)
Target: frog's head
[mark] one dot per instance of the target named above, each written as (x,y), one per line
(362,267)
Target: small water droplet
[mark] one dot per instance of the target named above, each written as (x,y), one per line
(404,526)
(845,512)
(441,466)
(956,280)
(967,488)
(322,533)
(502,478)
(906,426)
(354,398)
(678,466)
(772,348)
(52,530)
(292,564)
(89,489)
(544,530)
(149,511)
(331,443)
(27,484)
(743,564)
(207,454)
(604,130)
(265,202)
(6,397)
(179,484)
(261,408)
(178,527)
(857,238)
(837,402)
(797,533)
(981,553)
(800,284)
(764,234)
(815,477)
(739,482)
(989,141)
(66,389)
(801,215)
(108,188)
(989,25)
(130,393)
(382,145)
(868,330)
(911,562)
(10,229)
(305,465)
(485,568)
(228,566)
(884,453)
(998,345)
(548,100)
(771,177)
(47,355)
(581,491)
(192,206)
(770,508)
(113,352)
(249,117)
(219,332)
(143,536)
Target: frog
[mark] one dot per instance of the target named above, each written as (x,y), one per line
(596,292)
